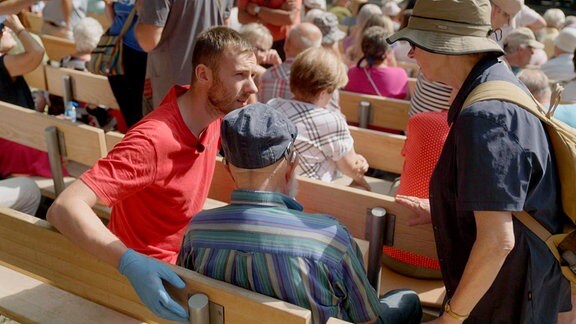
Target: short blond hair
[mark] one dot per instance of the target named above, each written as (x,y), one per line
(315,70)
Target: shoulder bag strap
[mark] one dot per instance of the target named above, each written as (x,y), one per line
(127,23)
(371,81)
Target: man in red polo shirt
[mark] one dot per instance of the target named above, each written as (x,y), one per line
(160,174)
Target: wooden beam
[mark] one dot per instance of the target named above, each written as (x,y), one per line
(57,47)
(28,300)
(385,112)
(382,150)
(84,144)
(86,87)
(33,247)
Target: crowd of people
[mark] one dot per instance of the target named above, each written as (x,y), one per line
(258,82)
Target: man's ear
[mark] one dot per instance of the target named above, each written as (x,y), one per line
(291,165)
(203,73)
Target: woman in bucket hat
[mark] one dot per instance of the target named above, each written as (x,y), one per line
(496,160)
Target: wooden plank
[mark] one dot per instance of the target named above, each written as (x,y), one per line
(35,22)
(37,78)
(385,112)
(102,19)
(348,205)
(382,150)
(431,292)
(412,69)
(411,85)
(86,87)
(113,138)
(333,320)
(57,47)
(37,249)
(84,144)
(28,300)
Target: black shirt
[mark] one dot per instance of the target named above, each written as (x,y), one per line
(14,90)
(497,157)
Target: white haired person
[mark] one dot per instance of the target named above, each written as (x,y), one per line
(495,269)
(86,33)
(555,18)
(261,38)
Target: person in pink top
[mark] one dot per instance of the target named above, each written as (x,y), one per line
(159,175)
(376,78)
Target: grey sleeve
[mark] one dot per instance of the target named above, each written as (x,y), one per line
(155,12)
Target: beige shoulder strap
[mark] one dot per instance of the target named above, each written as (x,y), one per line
(505,91)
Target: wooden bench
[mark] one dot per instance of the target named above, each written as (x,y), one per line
(60,138)
(35,248)
(411,85)
(84,86)
(412,69)
(35,21)
(57,47)
(382,150)
(377,112)
(28,300)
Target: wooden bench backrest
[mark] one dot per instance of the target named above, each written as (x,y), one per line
(57,47)
(35,22)
(102,19)
(384,112)
(84,144)
(86,87)
(33,246)
(412,69)
(382,150)
(411,85)
(348,205)
(37,78)
(113,138)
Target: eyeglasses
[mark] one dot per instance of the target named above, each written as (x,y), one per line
(290,152)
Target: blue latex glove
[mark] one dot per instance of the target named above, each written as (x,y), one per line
(146,274)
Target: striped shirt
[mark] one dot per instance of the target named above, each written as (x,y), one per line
(263,241)
(429,96)
(323,137)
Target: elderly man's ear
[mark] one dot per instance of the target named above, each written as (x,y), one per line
(291,165)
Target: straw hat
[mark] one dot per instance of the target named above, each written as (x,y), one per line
(450,27)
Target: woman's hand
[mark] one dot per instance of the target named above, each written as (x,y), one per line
(418,205)
(271,57)
(13,23)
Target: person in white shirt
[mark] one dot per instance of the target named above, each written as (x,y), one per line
(560,67)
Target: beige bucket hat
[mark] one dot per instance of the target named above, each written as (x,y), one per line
(451,27)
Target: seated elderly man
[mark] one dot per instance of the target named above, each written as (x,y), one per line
(264,242)
(519,46)
(324,141)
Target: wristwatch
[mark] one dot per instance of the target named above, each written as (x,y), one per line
(256,9)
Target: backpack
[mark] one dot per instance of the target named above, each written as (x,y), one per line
(563,139)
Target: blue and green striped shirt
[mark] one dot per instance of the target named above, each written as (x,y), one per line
(263,241)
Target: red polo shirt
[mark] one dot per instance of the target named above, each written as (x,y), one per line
(156,179)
